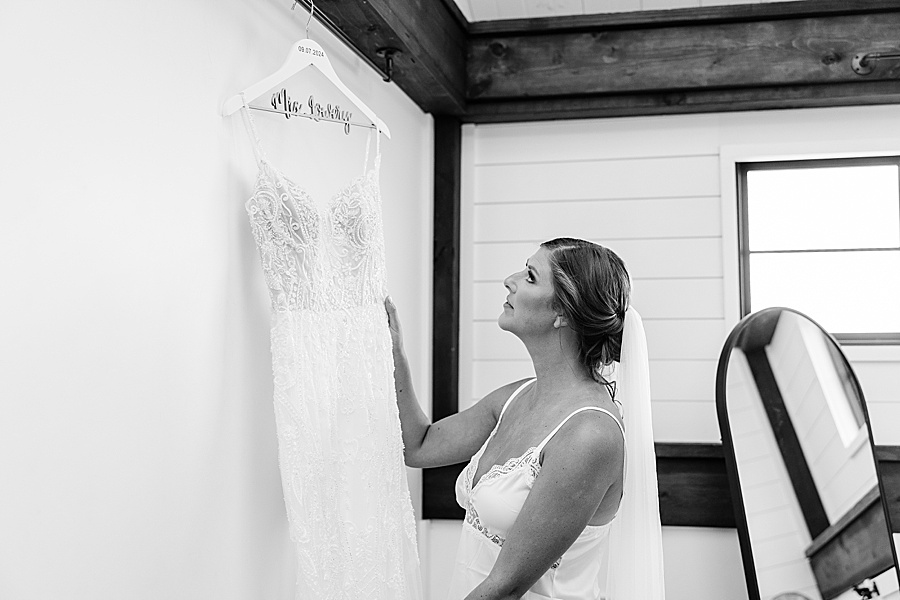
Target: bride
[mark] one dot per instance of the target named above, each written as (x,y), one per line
(560,491)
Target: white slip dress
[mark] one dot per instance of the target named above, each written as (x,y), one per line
(492,505)
(340,448)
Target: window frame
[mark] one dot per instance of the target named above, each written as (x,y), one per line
(742,167)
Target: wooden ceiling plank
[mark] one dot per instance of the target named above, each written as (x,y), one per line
(681,16)
(732,55)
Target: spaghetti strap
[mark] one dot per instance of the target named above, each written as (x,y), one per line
(377,148)
(540,447)
(251,129)
(513,395)
(368,145)
(377,164)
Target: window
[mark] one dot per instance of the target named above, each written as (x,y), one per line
(823,237)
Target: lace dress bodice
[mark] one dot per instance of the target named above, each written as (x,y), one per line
(319,258)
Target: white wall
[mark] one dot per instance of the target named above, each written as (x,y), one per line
(650,188)
(137,438)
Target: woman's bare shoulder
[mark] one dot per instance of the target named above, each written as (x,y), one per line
(497,398)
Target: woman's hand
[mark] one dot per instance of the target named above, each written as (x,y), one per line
(394,325)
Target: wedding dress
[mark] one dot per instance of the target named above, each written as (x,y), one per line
(339,443)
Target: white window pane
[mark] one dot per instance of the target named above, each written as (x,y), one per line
(824,208)
(845,292)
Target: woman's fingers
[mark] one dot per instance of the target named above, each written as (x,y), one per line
(391,310)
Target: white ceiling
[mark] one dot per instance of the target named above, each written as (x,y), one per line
(491,10)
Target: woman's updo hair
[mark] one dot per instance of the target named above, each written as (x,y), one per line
(592,290)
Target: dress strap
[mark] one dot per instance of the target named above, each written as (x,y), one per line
(540,446)
(513,395)
(377,148)
(368,145)
(251,128)
(377,164)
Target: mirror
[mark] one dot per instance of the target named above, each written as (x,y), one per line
(808,498)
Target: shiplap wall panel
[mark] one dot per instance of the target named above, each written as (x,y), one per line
(645,258)
(599,179)
(488,299)
(682,380)
(885,417)
(492,343)
(777,550)
(680,339)
(850,482)
(678,420)
(606,219)
(679,298)
(580,140)
(755,444)
(487,376)
(880,381)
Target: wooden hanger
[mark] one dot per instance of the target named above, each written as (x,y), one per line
(304,53)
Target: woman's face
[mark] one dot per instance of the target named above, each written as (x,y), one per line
(529,304)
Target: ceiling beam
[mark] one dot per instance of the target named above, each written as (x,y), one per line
(700,60)
(431,38)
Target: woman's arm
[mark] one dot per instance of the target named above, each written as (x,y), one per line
(452,439)
(580,464)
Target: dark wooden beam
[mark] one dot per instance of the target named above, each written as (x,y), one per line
(431,37)
(888,459)
(864,93)
(439,493)
(700,60)
(693,486)
(805,51)
(445,278)
(795,461)
(856,547)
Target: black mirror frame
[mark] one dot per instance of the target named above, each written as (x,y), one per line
(734,483)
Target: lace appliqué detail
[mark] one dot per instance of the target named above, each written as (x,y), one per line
(473,520)
(513,464)
(318,258)
(527,460)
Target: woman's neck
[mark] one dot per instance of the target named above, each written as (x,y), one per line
(556,362)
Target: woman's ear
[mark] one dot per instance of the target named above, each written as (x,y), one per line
(559,322)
